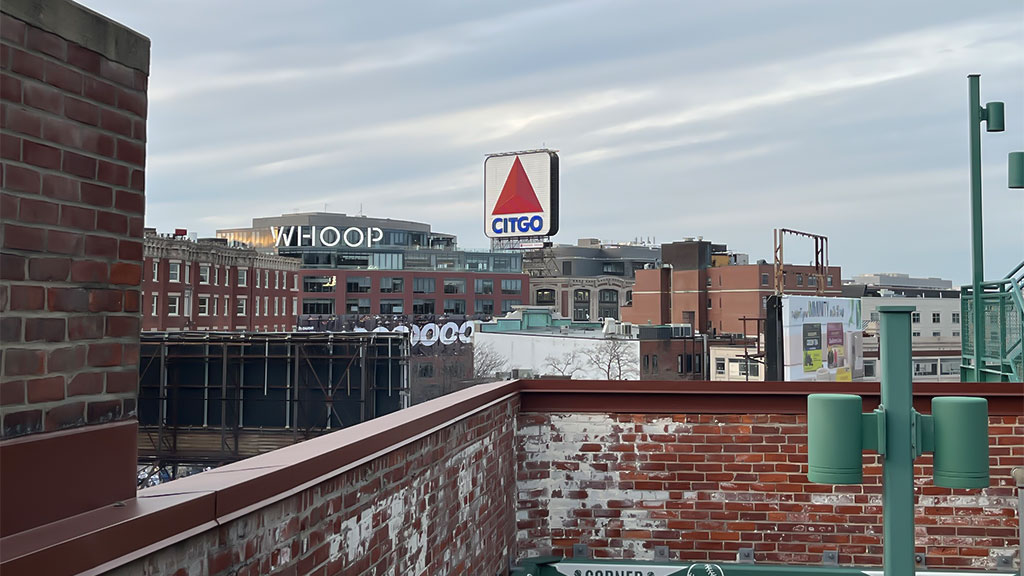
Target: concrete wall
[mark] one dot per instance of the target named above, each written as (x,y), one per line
(531,351)
(707,485)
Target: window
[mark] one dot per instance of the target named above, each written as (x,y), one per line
(319,283)
(511,286)
(764,302)
(422,306)
(915,317)
(483,286)
(295,282)
(457,306)
(357,284)
(654,362)
(392,306)
(187,307)
(679,363)
(869,368)
(799,279)
(614,268)
(295,306)
(357,306)
(156,304)
(204,273)
(156,269)
(266,278)
(452,286)
(812,280)
(277,310)
(936,334)
(317,306)
(709,303)
(581,305)
(227,305)
(956,317)
(915,334)
(609,296)
(874,316)
(926,368)
(545,297)
(216,305)
(719,365)
(243,277)
(608,303)
(216,275)
(956,333)
(647,363)
(709,282)
(204,305)
(425,370)
(423,286)
(256,310)
(173,272)
(483,306)
(392,285)
(188,273)
(257,274)
(566,268)
(936,317)
(949,366)
(828,281)
(506,305)
(764,279)
(266,306)
(172,305)
(277,279)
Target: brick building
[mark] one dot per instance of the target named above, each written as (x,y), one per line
(74,152)
(212,285)
(699,285)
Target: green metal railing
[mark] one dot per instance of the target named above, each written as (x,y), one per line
(1002,329)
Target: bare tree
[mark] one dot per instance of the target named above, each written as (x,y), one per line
(567,364)
(612,359)
(487,361)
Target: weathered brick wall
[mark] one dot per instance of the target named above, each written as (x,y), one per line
(73,129)
(443,504)
(706,486)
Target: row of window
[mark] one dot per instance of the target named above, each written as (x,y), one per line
(685,363)
(178,305)
(738,367)
(396,306)
(812,281)
(936,333)
(922,367)
(915,317)
(546,296)
(390,285)
(209,274)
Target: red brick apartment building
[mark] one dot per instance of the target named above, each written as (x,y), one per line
(210,284)
(696,288)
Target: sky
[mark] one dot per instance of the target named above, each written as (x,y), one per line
(672,119)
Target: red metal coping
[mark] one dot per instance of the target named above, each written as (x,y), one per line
(157,517)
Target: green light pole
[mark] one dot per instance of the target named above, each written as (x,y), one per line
(992,115)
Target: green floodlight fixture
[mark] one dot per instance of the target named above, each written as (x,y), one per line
(993,116)
(956,431)
(1016,170)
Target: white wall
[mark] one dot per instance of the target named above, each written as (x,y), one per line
(529,351)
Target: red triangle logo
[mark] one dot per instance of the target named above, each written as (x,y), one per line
(517,196)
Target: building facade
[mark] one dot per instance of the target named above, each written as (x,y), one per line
(587,282)
(702,285)
(212,284)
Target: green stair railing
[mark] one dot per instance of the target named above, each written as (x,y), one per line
(1002,327)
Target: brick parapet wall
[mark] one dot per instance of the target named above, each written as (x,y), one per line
(73,129)
(442,504)
(707,485)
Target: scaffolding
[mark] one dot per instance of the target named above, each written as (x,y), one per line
(210,398)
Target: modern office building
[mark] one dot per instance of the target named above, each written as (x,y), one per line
(213,284)
(589,281)
(704,286)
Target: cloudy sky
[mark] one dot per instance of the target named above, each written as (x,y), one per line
(716,119)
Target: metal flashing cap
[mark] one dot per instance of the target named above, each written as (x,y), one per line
(896,308)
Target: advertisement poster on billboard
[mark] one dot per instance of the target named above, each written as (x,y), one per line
(822,338)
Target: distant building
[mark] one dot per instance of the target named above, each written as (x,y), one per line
(704,286)
(935,325)
(589,281)
(893,280)
(212,284)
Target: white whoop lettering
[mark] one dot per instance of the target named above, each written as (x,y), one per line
(327,236)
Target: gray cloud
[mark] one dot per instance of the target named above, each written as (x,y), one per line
(674,119)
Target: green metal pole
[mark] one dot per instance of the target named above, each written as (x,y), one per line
(898,465)
(977,258)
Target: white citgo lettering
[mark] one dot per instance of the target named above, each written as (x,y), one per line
(465,333)
(429,334)
(449,333)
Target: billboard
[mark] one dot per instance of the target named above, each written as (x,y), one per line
(822,338)
(521,194)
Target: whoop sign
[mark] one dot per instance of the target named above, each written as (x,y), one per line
(328,236)
(521,194)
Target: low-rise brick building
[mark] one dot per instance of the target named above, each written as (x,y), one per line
(212,284)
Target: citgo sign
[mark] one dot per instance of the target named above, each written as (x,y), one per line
(521,194)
